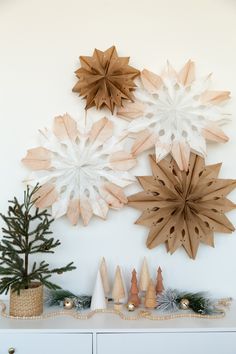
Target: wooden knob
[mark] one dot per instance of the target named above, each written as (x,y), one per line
(11,350)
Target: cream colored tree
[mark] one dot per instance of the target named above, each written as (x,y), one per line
(175,113)
(125,298)
(118,291)
(144,276)
(82,169)
(98,298)
(104,275)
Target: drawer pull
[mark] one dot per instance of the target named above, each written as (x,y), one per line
(11,350)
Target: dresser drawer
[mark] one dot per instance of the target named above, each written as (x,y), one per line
(167,343)
(46,343)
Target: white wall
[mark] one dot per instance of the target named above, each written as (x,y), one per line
(40,42)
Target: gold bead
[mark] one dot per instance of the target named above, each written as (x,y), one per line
(184,304)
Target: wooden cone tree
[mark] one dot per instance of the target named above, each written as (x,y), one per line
(104,276)
(125,298)
(118,291)
(98,299)
(144,276)
(133,294)
(150,298)
(159,286)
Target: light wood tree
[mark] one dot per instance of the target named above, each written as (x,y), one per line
(104,275)
(118,291)
(124,300)
(150,299)
(144,276)
(159,285)
(98,299)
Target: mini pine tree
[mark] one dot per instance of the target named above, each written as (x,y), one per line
(159,285)
(133,294)
(150,299)
(25,234)
(144,276)
(118,291)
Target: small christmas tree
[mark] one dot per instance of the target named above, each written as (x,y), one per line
(98,299)
(26,234)
(118,291)
(104,275)
(144,276)
(150,299)
(124,300)
(133,294)
(159,286)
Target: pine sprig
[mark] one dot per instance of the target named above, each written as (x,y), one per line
(170,300)
(57,297)
(26,232)
(198,302)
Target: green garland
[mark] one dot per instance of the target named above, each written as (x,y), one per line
(57,297)
(172,300)
(198,302)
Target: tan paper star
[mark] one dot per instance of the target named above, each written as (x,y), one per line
(105,79)
(183,208)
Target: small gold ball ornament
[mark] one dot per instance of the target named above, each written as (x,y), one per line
(184,304)
(130,307)
(68,304)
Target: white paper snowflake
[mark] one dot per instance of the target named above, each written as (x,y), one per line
(82,171)
(175,113)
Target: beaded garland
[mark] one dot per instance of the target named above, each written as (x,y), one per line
(140,315)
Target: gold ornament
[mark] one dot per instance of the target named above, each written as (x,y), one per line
(68,304)
(130,307)
(184,304)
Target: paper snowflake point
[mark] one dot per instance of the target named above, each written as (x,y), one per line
(105,79)
(82,171)
(183,208)
(176,113)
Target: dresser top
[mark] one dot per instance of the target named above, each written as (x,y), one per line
(112,323)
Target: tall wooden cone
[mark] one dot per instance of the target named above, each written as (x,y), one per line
(150,299)
(125,298)
(104,275)
(118,291)
(98,299)
(133,294)
(144,276)
(159,286)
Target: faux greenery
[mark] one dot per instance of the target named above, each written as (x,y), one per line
(57,297)
(170,300)
(26,233)
(198,302)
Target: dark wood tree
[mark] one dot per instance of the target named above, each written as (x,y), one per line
(26,233)
(159,286)
(133,294)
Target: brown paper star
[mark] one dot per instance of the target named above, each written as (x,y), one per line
(183,208)
(105,79)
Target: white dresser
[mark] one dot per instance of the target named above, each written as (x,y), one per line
(108,334)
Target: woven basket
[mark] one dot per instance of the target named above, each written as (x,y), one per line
(29,303)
